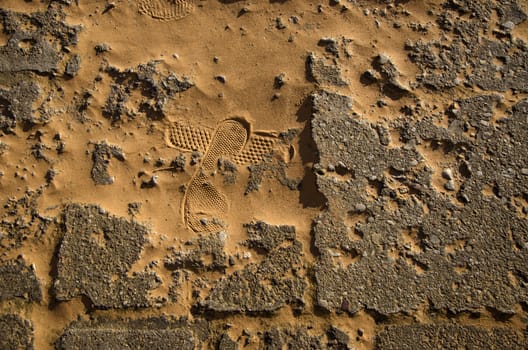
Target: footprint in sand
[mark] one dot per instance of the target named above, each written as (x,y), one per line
(166,9)
(203,203)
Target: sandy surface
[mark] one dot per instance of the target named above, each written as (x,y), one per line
(263,174)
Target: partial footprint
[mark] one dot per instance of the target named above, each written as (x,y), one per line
(187,137)
(256,149)
(166,9)
(203,204)
(229,139)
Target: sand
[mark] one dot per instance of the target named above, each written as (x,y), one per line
(205,128)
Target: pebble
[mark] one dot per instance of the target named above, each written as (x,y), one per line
(450,185)
(508,25)
(447,174)
(524,171)
(279,24)
(243,11)
(383,59)
(220,78)
(360,207)
(279,81)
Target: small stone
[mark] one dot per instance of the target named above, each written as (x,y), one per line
(220,78)
(509,25)
(100,48)
(279,81)
(360,207)
(109,6)
(360,332)
(383,59)
(73,66)
(50,175)
(231,261)
(369,77)
(450,185)
(153,182)
(366,12)
(434,240)
(203,221)
(524,171)
(464,198)
(159,162)
(243,11)
(447,174)
(279,24)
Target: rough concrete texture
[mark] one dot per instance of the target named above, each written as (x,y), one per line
(153,333)
(22,221)
(16,105)
(321,72)
(290,339)
(448,336)
(155,88)
(101,156)
(17,280)
(36,43)
(15,333)
(266,286)
(194,258)
(409,247)
(94,258)
(446,66)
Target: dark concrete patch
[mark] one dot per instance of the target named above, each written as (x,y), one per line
(16,105)
(194,258)
(15,333)
(17,280)
(321,72)
(448,336)
(36,44)
(101,156)
(226,343)
(472,58)
(293,338)
(268,285)
(269,169)
(94,258)
(158,333)
(460,256)
(155,88)
(22,221)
